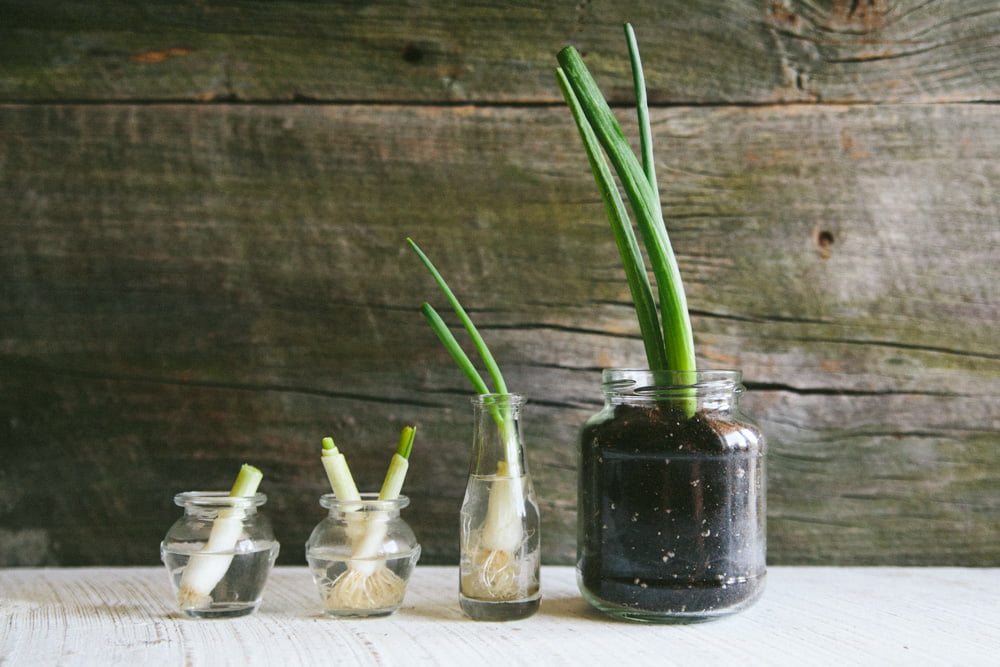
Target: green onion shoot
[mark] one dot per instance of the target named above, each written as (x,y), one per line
(206,567)
(398,465)
(667,338)
(496,565)
(338,472)
(367,583)
(462,359)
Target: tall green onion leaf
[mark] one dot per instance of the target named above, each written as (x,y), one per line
(642,110)
(502,417)
(639,185)
(441,330)
(457,353)
(628,246)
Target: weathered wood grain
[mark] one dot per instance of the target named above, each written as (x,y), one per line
(749,51)
(186,287)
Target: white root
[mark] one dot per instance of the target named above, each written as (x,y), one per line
(368,583)
(383,589)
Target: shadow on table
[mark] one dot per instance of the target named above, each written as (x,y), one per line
(575,608)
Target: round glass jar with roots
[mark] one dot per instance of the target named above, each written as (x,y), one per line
(361,556)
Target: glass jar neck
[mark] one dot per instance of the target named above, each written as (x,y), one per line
(709,389)
(208,504)
(368,503)
(507,404)
(496,439)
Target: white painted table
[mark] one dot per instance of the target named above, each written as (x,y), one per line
(808,616)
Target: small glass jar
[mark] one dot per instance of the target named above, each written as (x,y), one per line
(499,525)
(672,498)
(361,555)
(219,554)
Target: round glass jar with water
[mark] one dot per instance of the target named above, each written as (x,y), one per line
(361,555)
(219,554)
(671,498)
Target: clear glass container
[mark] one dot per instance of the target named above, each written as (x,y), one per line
(672,498)
(361,555)
(219,554)
(499,525)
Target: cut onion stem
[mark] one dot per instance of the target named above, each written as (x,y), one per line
(367,583)
(392,485)
(338,472)
(206,567)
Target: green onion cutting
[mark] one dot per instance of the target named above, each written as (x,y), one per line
(494,549)
(206,567)
(367,583)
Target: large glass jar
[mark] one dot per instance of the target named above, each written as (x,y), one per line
(361,555)
(219,554)
(672,498)
(499,525)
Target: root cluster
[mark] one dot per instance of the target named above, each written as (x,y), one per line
(188,598)
(355,589)
(494,574)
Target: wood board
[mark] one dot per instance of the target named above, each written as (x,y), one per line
(185,285)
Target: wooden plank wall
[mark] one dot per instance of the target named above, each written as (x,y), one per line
(203,207)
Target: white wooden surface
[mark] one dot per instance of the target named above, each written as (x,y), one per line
(808,616)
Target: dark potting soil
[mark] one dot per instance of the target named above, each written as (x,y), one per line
(671,511)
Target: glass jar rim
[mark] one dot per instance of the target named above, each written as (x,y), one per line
(650,382)
(510,399)
(369,502)
(218,499)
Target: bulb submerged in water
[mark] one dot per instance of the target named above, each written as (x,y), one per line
(491,574)
(368,583)
(354,589)
(349,587)
(361,557)
(499,557)
(219,554)
(189,599)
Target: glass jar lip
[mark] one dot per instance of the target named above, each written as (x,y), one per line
(369,503)
(218,499)
(645,381)
(511,399)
